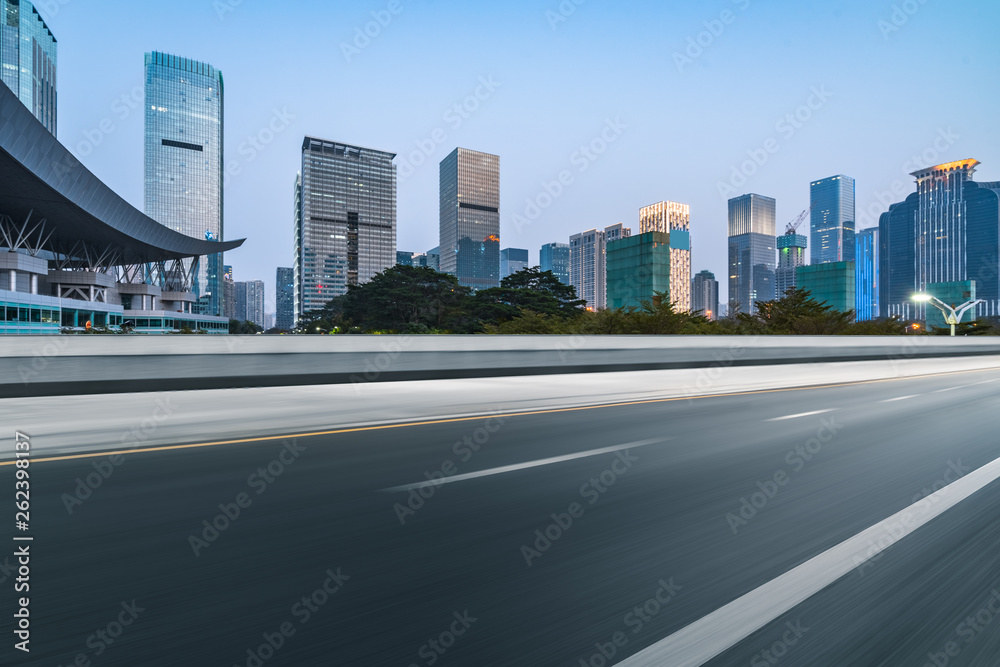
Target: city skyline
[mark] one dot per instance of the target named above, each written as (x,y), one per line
(270,120)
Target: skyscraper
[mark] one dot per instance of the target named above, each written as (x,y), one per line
(832,226)
(791,255)
(228,296)
(345,219)
(28,59)
(284,297)
(751,250)
(674,219)
(404,257)
(430,259)
(866,278)
(554,257)
(705,295)
(470,218)
(184,161)
(512,260)
(587,263)
(250,302)
(948,231)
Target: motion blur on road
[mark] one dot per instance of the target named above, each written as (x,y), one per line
(579,520)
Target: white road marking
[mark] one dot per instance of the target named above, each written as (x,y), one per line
(706,638)
(523,466)
(941,391)
(801,414)
(900,398)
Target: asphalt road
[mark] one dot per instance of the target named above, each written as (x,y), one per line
(642,504)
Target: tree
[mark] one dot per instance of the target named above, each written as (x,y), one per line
(527,290)
(238,328)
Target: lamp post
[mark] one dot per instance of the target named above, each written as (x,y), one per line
(952,315)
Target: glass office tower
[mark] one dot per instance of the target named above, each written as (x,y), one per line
(866,267)
(791,255)
(184,161)
(512,260)
(28,59)
(345,220)
(470,218)
(751,250)
(554,257)
(948,231)
(705,295)
(284,297)
(674,219)
(832,225)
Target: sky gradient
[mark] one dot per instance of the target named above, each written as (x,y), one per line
(873,87)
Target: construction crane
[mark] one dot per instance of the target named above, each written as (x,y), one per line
(793,226)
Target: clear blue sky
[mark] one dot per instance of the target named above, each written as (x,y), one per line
(926,75)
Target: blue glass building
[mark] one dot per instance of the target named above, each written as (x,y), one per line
(28,59)
(832,226)
(791,255)
(948,231)
(512,260)
(866,275)
(751,250)
(470,218)
(184,161)
(554,257)
(284,296)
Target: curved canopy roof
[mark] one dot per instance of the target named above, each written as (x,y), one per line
(41,178)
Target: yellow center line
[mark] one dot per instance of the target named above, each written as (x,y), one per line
(383,427)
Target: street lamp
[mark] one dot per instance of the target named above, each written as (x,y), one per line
(952,315)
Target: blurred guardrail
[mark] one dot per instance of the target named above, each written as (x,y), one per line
(69,365)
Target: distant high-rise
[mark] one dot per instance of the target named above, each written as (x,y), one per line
(588,263)
(28,59)
(554,257)
(751,250)
(250,302)
(944,233)
(705,295)
(229,297)
(403,257)
(832,227)
(830,283)
(512,260)
(430,259)
(470,218)
(674,219)
(345,220)
(866,278)
(284,297)
(184,160)
(791,255)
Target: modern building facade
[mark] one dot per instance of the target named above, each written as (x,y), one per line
(512,260)
(554,257)
(250,302)
(404,258)
(866,274)
(674,219)
(430,259)
(228,297)
(284,298)
(345,219)
(948,231)
(751,251)
(74,255)
(833,223)
(588,263)
(791,255)
(470,218)
(705,295)
(831,283)
(184,163)
(638,269)
(28,58)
